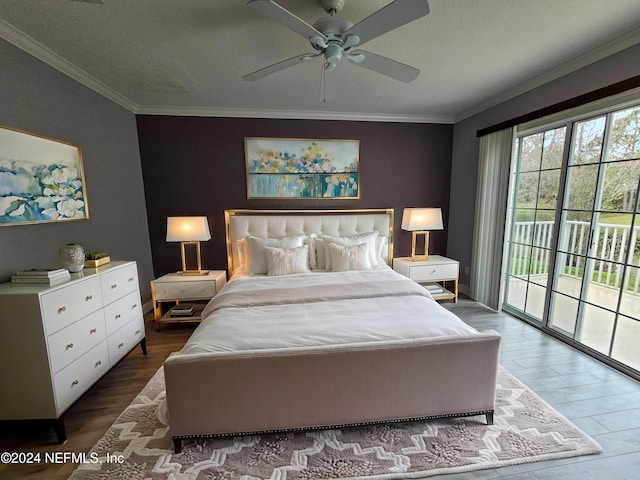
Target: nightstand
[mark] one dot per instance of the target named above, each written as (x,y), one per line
(433,273)
(176,288)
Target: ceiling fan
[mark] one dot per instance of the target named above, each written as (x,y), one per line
(333,38)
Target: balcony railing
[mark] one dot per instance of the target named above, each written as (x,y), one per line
(612,248)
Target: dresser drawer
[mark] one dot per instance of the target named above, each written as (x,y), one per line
(118,283)
(121,342)
(68,344)
(185,290)
(426,273)
(76,378)
(121,312)
(62,307)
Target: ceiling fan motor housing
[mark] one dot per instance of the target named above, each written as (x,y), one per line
(332,6)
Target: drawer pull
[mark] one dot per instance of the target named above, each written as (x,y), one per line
(130,279)
(121,345)
(74,383)
(62,309)
(88,297)
(92,331)
(137,332)
(69,346)
(135,305)
(115,285)
(118,316)
(98,363)
(433,271)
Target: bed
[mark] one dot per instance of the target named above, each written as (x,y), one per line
(315,330)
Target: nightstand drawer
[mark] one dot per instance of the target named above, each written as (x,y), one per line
(427,273)
(185,290)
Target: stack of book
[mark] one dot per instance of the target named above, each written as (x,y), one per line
(183,310)
(41,276)
(434,288)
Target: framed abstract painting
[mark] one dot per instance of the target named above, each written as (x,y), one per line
(41,179)
(302,168)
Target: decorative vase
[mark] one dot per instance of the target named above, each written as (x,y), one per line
(72,257)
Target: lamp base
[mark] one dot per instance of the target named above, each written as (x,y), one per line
(195,272)
(425,256)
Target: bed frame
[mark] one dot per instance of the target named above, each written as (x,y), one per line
(248,392)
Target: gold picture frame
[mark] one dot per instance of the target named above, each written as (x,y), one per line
(302,168)
(41,179)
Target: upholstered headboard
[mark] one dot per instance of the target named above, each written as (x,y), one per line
(286,223)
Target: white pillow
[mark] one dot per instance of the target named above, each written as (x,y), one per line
(313,257)
(382,247)
(283,261)
(257,258)
(368,239)
(355,257)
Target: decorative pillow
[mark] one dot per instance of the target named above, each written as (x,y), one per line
(355,257)
(368,239)
(283,261)
(382,247)
(242,255)
(313,257)
(257,258)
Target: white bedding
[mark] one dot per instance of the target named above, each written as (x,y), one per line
(321,323)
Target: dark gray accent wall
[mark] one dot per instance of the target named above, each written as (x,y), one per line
(615,68)
(39,99)
(196,166)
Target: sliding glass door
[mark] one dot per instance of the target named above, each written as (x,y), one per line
(580,276)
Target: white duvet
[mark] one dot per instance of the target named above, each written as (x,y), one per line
(321,323)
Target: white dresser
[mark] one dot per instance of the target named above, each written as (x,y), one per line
(55,342)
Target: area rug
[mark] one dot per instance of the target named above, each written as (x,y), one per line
(526,429)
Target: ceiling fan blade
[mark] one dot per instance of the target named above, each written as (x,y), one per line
(276,67)
(390,17)
(328,82)
(275,12)
(386,66)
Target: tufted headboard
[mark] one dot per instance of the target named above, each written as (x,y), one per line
(286,223)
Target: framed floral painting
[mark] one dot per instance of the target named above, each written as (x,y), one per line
(301,168)
(41,179)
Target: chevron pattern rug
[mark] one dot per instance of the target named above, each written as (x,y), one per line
(526,429)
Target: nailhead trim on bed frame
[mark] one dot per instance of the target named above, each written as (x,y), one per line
(177,440)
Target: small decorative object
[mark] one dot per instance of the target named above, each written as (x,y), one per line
(419,221)
(72,257)
(300,168)
(96,259)
(41,179)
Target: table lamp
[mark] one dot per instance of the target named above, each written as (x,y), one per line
(419,221)
(189,231)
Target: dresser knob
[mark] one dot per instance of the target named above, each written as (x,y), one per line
(121,345)
(98,363)
(88,297)
(62,309)
(130,279)
(75,382)
(137,332)
(92,331)
(118,316)
(115,285)
(433,271)
(69,345)
(135,305)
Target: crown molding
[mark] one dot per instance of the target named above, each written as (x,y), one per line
(627,40)
(290,114)
(36,49)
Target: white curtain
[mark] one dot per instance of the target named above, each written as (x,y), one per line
(494,165)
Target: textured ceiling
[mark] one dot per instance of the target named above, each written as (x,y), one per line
(188,56)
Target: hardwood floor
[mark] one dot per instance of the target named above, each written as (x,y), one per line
(601,401)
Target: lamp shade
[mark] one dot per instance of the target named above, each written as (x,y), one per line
(187,229)
(422,219)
